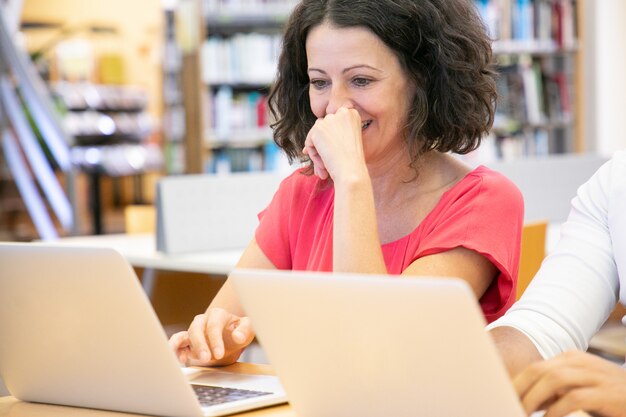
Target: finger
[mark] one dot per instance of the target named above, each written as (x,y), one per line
(243,332)
(320,171)
(197,338)
(588,399)
(310,149)
(551,386)
(354,116)
(183,356)
(179,340)
(217,322)
(567,360)
(318,163)
(529,376)
(179,343)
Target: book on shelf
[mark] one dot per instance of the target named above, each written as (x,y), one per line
(531,76)
(244,58)
(232,8)
(240,116)
(510,107)
(541,24)
(267,157)
(530,94)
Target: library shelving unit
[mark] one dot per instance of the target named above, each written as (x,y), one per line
(536,49)
(232,65)
(110,127)
(535,46)
(173,125)
(238,65)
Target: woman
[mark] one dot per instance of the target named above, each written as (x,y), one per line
(375,94)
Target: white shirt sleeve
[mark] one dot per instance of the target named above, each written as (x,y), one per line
(577,285)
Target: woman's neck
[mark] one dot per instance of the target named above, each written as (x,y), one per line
(396,178)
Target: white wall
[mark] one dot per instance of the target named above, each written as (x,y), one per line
(604,69)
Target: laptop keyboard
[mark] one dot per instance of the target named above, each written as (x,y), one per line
(210,395)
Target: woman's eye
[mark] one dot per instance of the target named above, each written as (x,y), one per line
(361,82)
(318,84)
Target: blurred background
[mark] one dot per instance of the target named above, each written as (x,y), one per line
(116,94)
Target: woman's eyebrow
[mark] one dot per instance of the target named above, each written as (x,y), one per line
(347,69)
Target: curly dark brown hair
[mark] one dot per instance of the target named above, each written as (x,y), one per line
(443,48)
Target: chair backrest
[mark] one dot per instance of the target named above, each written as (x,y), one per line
(533,252)
(211,212)
(139,218)
(549,184)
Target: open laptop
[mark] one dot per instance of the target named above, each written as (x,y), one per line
(77,329)
(371,346)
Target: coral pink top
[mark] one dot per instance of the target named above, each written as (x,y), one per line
(483,212)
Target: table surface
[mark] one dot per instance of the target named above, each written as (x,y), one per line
(11,407)
(140,251)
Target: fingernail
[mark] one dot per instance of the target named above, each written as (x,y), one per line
(238,336)
(218,352)
(204,356)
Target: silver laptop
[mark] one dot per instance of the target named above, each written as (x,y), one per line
(77,329)
(350,345)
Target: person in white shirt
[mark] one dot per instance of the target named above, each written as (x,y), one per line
(568,300)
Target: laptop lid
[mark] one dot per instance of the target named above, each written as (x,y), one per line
(77,329)
(368,346)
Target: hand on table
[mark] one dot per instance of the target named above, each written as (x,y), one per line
(216,337)
(573,381)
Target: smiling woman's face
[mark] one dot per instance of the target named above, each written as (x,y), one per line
(351,67)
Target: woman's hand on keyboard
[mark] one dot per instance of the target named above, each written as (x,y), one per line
(214,338)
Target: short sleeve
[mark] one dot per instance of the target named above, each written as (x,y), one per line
(272,233)
(486,215)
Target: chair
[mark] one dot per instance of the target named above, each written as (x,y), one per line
(532,253)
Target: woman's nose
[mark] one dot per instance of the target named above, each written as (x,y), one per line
(339,97)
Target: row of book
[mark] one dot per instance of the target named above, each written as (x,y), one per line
(532,142)
(103,114)
(94,127)
(236,112)
(250,6)
(246,58)
(268,157)
(223,160)
(533,92)
(103,97)
(546,23)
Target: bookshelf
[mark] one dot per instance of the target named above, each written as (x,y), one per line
(238,64)
(535,44)
(536,48)
(111,131)
(227,73)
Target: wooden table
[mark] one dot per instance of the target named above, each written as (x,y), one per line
(11,407)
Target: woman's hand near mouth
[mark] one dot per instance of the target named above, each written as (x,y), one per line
(335,145)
